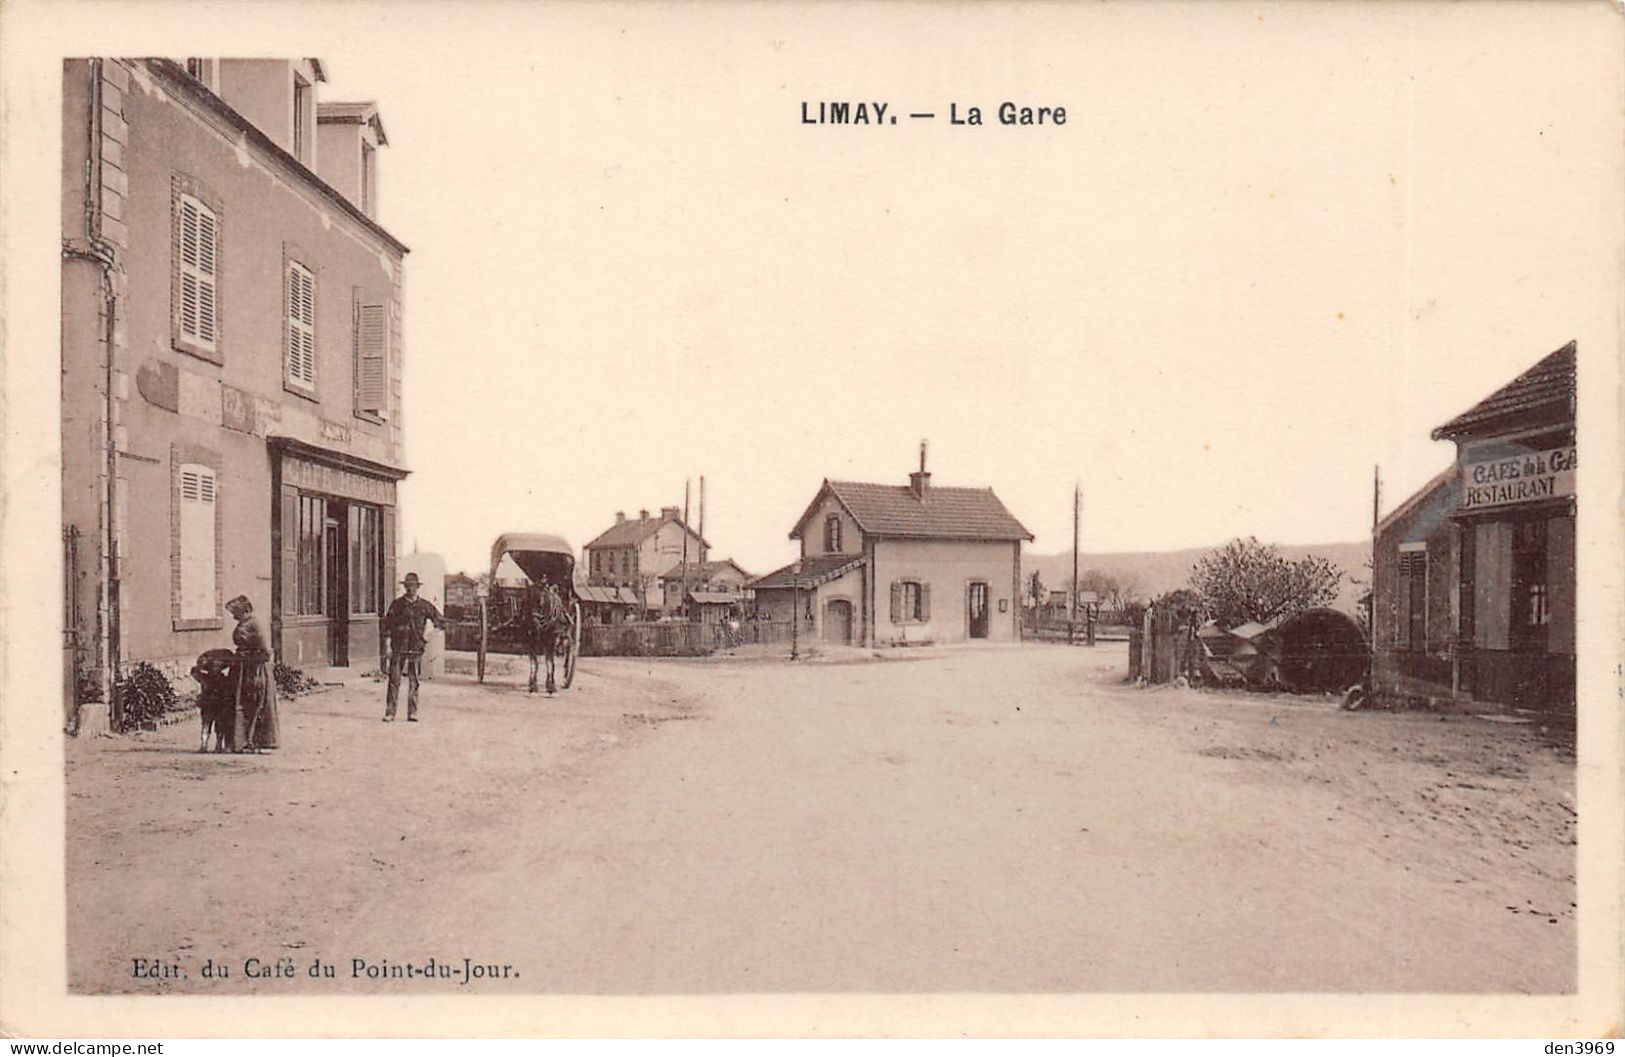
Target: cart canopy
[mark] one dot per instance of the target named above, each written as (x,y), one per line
(542,557)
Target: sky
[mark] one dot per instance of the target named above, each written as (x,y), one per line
(1272,247)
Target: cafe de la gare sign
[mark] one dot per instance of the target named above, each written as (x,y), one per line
(1527,478)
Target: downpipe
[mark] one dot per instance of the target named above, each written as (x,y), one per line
(104,256)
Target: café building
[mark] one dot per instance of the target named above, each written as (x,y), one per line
(1473,595)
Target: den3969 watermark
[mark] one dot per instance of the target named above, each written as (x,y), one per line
(461,970)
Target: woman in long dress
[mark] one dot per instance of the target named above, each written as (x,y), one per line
(254,725)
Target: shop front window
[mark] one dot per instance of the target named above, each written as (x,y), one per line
(1531,595)
(366,559)
(308,586)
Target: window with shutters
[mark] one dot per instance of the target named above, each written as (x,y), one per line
(198,494)
(371,358)
(910,602)
(196,307)
(832,534)
(299,355)
(1411,604)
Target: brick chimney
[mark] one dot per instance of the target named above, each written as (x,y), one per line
(620,517)
(919,482)
(643,515)
(668,511)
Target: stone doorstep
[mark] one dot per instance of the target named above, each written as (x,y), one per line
(352,676)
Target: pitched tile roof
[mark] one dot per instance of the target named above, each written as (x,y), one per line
(1548,386)
(715,598)
(605,595)
(635,530)
(814,571)
(701,571)
(944,513)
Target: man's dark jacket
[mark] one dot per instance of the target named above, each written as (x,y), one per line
(405,621)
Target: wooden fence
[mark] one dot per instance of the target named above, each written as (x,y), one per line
(677,638)
(662,638)
(1058,631)
(1164,648)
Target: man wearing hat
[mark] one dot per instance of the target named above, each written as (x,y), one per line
(404,625)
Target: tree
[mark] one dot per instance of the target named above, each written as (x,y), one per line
(1102,583)
(1249,581)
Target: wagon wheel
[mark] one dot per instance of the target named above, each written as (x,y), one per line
(572,647)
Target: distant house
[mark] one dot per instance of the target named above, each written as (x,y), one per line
(894,564)
(638,552)
(1473,596)
(462,596)
(711,607)
(720,577)
(1059,606)
(607,605)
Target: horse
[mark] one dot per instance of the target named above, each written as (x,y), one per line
(544,623)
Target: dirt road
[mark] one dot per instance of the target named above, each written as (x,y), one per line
(980,819)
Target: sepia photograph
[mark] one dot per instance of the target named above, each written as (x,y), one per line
(958,503)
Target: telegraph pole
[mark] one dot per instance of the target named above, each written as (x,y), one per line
(795,610)
(1077,517)
(683,602)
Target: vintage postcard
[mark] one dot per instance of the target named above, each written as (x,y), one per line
(993,519)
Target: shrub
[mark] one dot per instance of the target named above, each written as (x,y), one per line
(291,682)
(144,696)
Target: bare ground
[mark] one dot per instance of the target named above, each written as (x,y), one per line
(952,820)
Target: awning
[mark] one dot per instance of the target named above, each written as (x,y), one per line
(607,596)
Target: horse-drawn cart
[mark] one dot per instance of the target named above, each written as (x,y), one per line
(546,612)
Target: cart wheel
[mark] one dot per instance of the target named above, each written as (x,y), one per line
(573,647)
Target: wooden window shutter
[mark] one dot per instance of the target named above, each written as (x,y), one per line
(197,502)
(372,358)
(290,550)
(925,602)
(208,244)
(897,601)
(301,328)
(198,241)
(1402,594)
(189,279)
(1412,567)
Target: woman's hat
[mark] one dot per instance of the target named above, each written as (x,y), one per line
(240,602)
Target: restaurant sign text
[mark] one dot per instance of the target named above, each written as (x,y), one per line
(1527,478)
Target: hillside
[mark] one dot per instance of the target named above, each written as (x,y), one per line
(1153,572)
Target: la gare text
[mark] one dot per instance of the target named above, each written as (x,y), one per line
(964,114)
